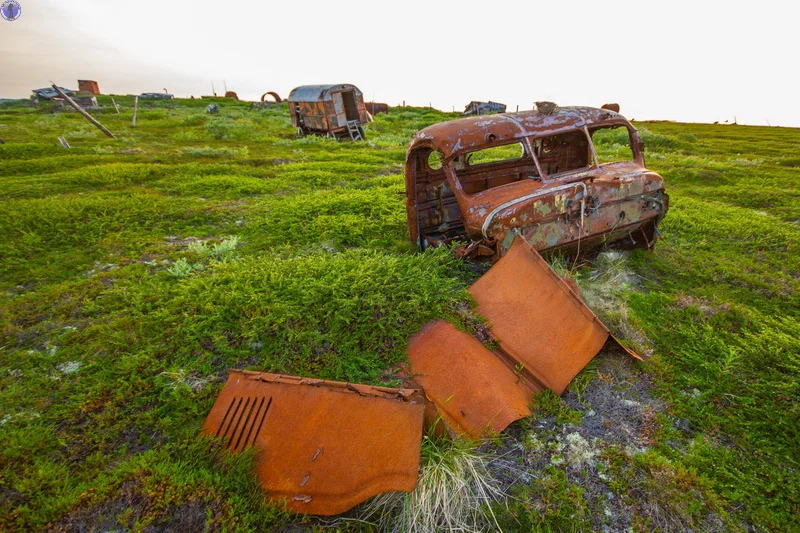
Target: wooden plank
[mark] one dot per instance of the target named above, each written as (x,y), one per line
(80,110)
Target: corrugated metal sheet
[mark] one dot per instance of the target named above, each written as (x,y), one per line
(50,93)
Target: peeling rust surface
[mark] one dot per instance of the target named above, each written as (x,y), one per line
(544,334)
(470,388)
(557,194)
(322,446)
(543,328)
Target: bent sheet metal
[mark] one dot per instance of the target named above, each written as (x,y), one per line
(322,446)
(544,336)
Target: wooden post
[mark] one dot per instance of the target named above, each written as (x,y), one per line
(115,105)
(80,110)
(517,108)
(135,107)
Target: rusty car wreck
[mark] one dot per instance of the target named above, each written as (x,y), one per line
(535,173)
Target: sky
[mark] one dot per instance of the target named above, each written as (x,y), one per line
(698,61)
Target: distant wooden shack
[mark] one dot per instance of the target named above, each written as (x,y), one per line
(88,87)
(332,110)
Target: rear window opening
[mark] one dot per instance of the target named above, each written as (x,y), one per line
(612,144)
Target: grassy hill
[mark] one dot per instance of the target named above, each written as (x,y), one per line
(134,273)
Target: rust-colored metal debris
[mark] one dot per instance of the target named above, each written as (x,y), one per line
(482,179)
(542,327)
(274,96)
(544,335)
(473,391)
(322,446)
(332,110)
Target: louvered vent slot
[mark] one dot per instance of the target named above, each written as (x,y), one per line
(243,420)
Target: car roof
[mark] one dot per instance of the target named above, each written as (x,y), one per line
(456,137)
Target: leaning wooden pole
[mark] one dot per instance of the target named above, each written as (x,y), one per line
(80,110)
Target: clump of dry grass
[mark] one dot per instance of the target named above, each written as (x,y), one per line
(603,291)
(454,493)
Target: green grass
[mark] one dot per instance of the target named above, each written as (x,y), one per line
(136,272)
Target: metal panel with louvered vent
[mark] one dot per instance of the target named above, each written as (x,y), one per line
(322,446)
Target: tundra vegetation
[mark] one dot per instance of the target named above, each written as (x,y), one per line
(136,272)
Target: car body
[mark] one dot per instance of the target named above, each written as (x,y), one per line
(534,173)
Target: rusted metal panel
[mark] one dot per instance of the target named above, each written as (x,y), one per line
(322,446)
(557,193)
(543,328)
(326,109)
(468,386)
(543,334)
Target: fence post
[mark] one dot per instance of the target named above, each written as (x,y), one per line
(135,107)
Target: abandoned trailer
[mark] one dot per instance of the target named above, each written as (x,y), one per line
(535,173)
(332,110)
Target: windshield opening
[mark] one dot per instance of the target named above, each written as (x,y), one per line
(612,144)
